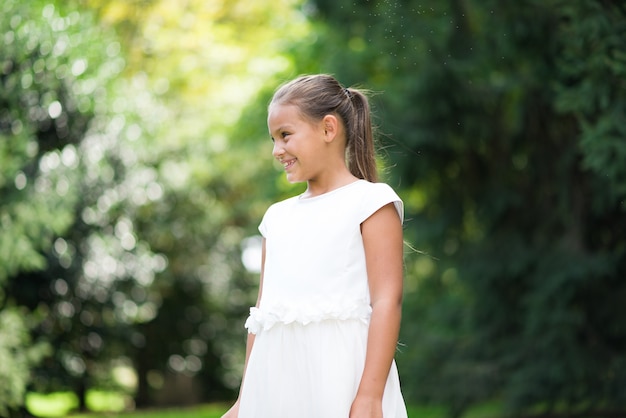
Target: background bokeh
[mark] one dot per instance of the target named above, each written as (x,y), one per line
(135,166)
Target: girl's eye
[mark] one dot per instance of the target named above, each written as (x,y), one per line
(283,136)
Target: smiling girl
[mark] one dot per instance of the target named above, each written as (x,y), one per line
(323,333)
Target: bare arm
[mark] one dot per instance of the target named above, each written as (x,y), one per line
(233,412)
(382,239)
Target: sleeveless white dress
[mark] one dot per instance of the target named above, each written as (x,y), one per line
(312,322)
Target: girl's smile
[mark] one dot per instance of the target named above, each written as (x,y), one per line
(288,164)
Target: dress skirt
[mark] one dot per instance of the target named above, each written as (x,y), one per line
(311,371)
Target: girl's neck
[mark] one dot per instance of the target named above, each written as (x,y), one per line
(319,187)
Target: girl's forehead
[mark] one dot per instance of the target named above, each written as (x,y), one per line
(279,113)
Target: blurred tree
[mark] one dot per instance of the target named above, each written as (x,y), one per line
(48,96)
(72,194)
(18,355)
(128,213)
(504,124)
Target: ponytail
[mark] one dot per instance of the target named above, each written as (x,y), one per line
(360,138)
(319,95)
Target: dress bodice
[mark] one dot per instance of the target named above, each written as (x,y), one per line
(315,261)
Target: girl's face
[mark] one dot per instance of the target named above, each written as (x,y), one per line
(299,144)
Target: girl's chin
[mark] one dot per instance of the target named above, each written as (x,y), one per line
(294,179)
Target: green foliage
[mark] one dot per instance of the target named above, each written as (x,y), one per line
(48,94)
(592,70)
(47,98)
(36,203)
(504,125)
(17,356)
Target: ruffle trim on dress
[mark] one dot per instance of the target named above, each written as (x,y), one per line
(264,318)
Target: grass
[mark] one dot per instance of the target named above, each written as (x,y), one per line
(59,404)
(109,404)
(203,411)
(51,405)
(216,411)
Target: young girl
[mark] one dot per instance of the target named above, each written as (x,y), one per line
(323,334)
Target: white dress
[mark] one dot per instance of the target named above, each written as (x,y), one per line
(312,323)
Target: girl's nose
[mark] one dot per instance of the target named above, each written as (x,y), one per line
(278,150)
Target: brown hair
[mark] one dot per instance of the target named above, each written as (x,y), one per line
(319,95)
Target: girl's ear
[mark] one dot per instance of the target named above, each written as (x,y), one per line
(331,126)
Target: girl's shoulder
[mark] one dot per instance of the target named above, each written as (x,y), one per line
(376,187)
(376,195)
